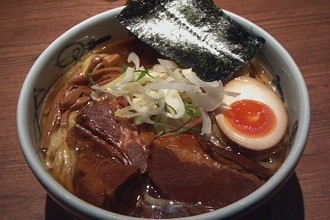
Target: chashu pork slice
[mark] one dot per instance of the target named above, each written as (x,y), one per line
(118,137)
(183,171)
(105,183)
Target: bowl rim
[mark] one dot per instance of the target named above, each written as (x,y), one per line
(59,193)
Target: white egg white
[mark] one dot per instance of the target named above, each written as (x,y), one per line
(252,89)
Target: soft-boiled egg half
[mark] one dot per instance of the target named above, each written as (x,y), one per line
(256,117)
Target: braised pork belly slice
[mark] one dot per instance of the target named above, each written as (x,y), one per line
(126,139)
(237,161)
(105,183)
(83,140)
(183,171)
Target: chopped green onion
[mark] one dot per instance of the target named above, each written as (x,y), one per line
(142,74)
(192,110)
(160,127)
(124,68)
(187,130)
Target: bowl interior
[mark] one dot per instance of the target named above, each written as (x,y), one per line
(103,28)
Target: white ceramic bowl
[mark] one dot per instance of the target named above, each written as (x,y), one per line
(94,32)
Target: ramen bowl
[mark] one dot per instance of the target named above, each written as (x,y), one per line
(99,30)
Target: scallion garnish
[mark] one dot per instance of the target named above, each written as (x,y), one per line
(142,74)
(187,130)
(192,110)
(124,68)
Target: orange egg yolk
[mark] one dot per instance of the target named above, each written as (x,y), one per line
(251,118)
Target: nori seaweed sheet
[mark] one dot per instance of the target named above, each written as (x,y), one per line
(195,33)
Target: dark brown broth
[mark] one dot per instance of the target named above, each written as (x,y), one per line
(150,202)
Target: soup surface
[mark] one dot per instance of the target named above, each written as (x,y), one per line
(143,137)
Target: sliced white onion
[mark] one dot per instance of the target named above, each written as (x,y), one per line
(135,87)
(193,78)
(178,74)
(168,64)
(149,108)
(134,58)
(172,69)
(126,112)
(168,85)
(174,100)
(207,125)
(158,69)
(212,95)
(129,76)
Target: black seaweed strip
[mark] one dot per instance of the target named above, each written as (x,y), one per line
(214,53)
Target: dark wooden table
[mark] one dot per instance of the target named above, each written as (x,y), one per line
(302,26)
